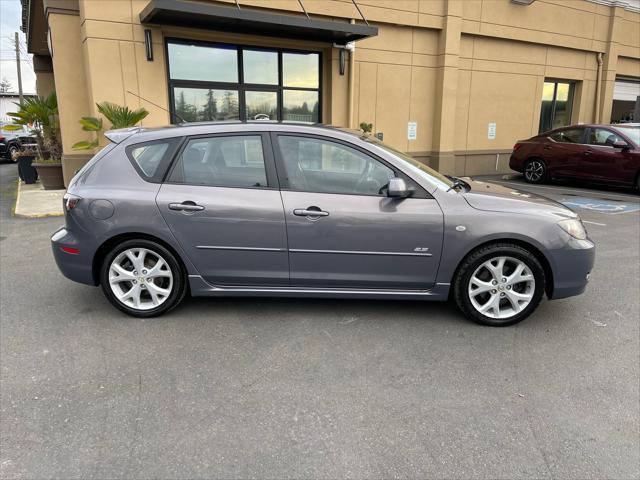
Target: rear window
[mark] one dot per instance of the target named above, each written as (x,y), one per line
(151,159)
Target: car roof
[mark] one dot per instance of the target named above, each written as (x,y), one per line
(140,134)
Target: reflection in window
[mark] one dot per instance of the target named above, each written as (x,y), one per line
(260,67)
(315,165)
(300,70)
(300,105)
(193,62)
(212,82)
(234,161)
(557,100)
(200,104)
(261,105)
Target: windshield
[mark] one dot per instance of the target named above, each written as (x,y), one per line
(415,165)
(632,132)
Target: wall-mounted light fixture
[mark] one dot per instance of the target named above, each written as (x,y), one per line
(523,2)
(343,62)
(342,55)
(148,44)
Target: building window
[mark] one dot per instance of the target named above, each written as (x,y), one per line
(210,82)
(557,102)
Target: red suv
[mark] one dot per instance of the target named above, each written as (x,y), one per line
(595,153)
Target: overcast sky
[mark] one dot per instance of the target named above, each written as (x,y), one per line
(9,24)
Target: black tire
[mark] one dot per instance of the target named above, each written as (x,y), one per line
(11,151)
(474,260)
(535,171)
(179,286)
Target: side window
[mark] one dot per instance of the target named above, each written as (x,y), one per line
(601,136)
(234,161)
(573,135)
(316,165)
(151,159)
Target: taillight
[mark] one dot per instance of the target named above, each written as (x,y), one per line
(70,201)
(516,146)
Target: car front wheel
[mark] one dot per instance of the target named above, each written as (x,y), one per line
(142,278)
(499,285)
(535,171)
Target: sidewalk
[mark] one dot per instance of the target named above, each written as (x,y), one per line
(33,201)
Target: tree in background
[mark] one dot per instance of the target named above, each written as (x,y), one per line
(210,111)
(5,85)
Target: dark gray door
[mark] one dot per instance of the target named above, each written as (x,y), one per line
(343,230)
(221,203)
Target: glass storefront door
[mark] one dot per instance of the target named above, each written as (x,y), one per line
(557,102)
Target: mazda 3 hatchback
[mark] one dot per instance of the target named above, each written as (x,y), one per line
(272,209)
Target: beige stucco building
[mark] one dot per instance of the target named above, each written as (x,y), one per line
(453,82)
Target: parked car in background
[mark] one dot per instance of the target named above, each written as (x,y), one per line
(593,153)
(12,142)
(271,209)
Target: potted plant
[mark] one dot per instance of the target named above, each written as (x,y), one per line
(118,116)
(25,158)
(41,114)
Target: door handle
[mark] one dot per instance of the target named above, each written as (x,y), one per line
(588,152)
(547,147)
(187,206)
(310,212)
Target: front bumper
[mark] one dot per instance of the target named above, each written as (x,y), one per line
(75,266)
(573,265)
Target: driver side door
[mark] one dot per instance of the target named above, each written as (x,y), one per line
(343,230)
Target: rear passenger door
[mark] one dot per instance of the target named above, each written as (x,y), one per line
(222,203)
(564,155)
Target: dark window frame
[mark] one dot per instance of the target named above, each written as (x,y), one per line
(267,153)
(241,87)
(418,191)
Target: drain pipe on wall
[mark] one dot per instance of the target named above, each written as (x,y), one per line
(351,46)
(598,87)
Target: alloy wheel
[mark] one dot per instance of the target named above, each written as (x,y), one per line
(140,278)
(534,171)
(501,287)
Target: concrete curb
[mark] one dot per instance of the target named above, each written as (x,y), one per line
(32,201)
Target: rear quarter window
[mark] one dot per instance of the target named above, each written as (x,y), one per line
(151,159)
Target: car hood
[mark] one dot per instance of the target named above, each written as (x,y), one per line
(498,198)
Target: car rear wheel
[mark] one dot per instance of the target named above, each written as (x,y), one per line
(535,171)
(142,278)
(13,149)
(499,285)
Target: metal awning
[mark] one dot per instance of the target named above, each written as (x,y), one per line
(254,22)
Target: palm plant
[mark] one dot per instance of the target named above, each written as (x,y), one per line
(40,114)
(118,116)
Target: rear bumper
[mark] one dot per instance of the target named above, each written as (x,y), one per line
(75,266)
(573,264)
(515,163)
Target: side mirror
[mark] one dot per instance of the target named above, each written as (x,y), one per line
(620,144)
(398,188)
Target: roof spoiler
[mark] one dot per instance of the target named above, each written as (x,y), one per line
(121,134)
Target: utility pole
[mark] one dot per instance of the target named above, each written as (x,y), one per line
(17,42)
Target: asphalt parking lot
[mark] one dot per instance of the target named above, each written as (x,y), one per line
(282,388)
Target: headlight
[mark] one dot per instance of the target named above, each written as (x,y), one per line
(573,227)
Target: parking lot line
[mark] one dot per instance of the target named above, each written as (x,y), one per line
(594,223)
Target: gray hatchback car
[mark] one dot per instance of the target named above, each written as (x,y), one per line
(273,209)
